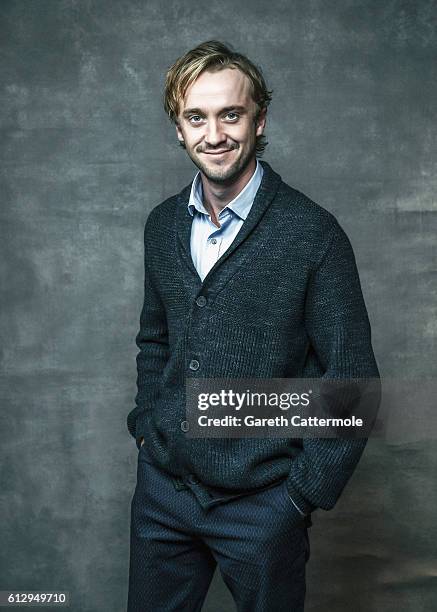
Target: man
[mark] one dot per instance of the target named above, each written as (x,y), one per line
(245,277)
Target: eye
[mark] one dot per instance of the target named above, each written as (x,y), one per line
(233,116)
(195,119)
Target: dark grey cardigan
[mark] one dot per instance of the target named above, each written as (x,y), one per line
(284,301)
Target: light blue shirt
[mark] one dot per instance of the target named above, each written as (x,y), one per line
(209,242)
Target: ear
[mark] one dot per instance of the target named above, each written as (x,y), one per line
(261,121)
(179,133)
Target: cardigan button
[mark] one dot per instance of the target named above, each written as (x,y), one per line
(185,426)
(194,364)
(201,301)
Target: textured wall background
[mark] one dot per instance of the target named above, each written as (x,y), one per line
(87,151)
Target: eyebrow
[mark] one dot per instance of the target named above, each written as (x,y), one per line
(199,111)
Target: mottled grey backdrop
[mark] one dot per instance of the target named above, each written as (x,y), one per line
(87,152)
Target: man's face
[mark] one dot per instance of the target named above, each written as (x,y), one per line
(216,123)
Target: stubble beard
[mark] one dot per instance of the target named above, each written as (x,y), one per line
(226,174)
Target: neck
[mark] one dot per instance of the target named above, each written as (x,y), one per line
(217,195)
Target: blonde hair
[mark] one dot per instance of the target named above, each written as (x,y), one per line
(213,55)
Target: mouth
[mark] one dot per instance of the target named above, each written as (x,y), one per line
(222,152)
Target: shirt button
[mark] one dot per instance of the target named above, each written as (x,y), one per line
(185,426)
(213,240)
(201,301)
(194,364)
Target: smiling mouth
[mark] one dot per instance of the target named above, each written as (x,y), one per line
(216,152)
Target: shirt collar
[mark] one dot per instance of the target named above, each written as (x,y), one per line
(240,205)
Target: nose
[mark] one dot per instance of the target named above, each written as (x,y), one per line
(214,134)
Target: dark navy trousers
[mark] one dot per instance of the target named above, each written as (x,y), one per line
(259,542)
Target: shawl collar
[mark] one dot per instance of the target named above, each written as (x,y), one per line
(268,187)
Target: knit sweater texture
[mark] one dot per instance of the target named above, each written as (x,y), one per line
(284,301)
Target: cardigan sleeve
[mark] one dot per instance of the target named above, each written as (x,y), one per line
(339,330)
(152,341)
